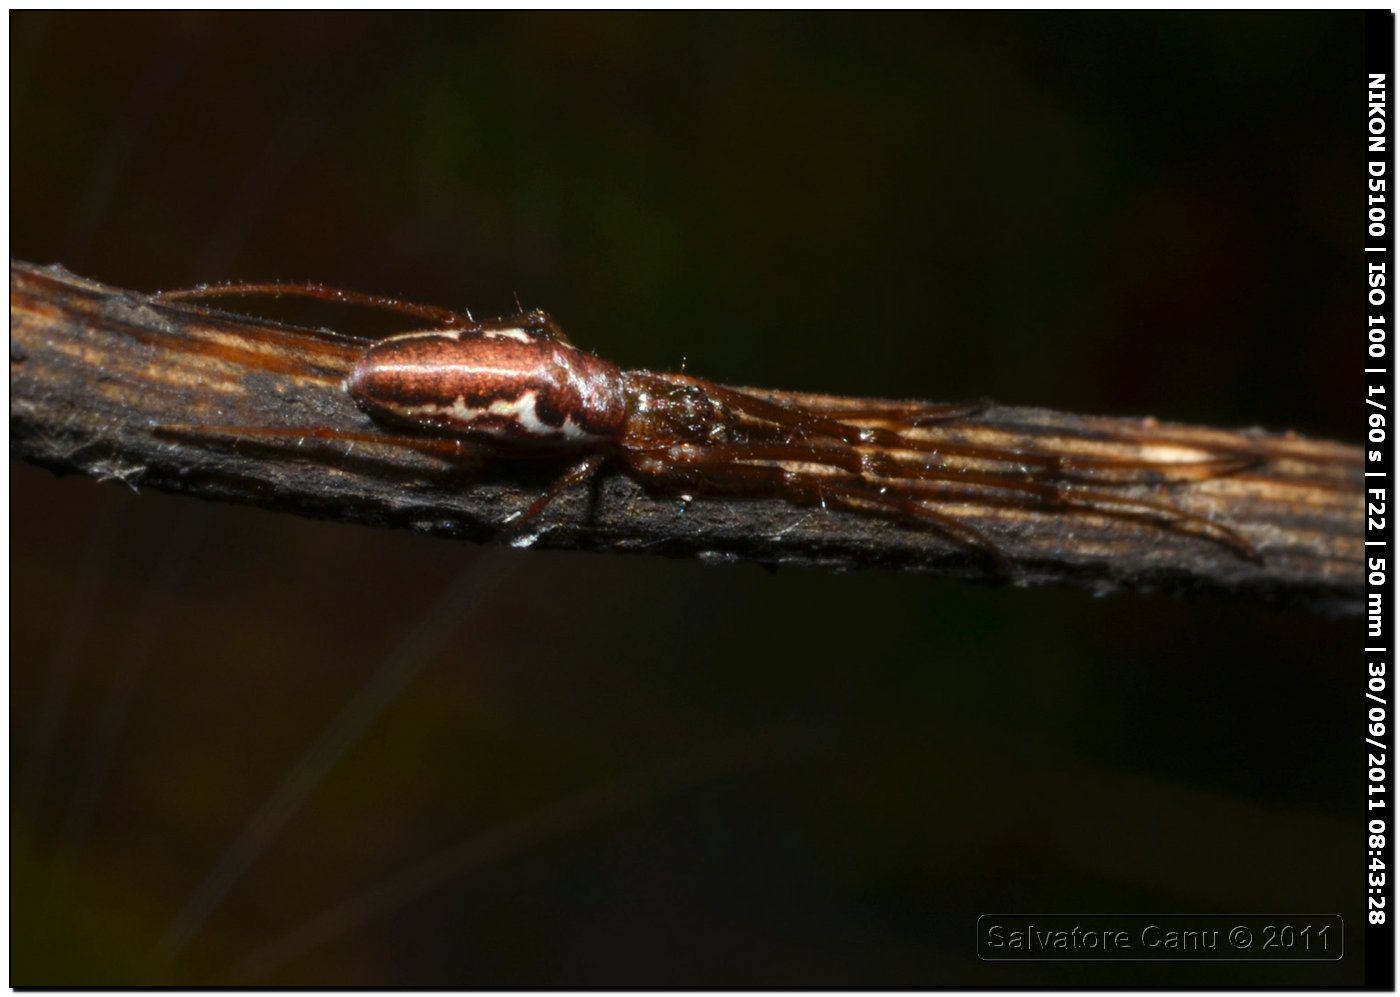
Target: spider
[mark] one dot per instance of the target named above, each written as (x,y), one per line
(517,387)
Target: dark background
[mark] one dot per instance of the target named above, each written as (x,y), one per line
(617,770)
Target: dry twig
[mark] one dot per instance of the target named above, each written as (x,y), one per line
(96,372)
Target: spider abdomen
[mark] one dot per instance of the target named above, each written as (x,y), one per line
(497,382)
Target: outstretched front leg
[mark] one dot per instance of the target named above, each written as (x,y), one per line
(808,426)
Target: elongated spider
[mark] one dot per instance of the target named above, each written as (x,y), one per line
(516,387)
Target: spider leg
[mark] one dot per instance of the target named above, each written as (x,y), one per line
(1058,467)
(865,496)
(807,423)
(440,446)
(1066,491)
(322,292)
(832,424)
(539,323)
(1068,468)
(871,472)
(575,475)
(801,421)
(707,471)
(1165,517)
(1104,470)
(909,413)
(446,447)
(793,421)
(992,490)
(873,463)
(1130,471)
